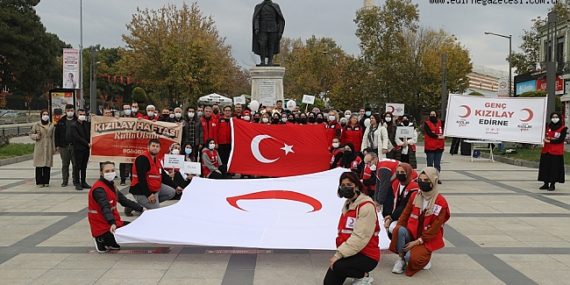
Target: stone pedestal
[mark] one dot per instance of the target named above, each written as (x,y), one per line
(267,84)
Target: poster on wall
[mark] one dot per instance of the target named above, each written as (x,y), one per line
(58,98)
(71,68)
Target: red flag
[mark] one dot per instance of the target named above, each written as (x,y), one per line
(278,150)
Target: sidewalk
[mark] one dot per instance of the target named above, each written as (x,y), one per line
(503,230)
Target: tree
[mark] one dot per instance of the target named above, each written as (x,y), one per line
(178,55)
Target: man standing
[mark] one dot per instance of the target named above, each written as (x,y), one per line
(151,113)
(147,187)
(238,110)
(81,146)
(125,168)
(225,135)
(209,126)
(135,110)
(64,143)
(268,27)
(192,134)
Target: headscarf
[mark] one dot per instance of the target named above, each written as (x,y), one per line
(348,156)
(409,172)
(430,196)
(553,126)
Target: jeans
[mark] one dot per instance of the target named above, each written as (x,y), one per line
(434,159)
(404,237)
(164,194)
(67,156)
(354,266)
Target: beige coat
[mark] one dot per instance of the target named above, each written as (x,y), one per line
(43,135)
(363,228)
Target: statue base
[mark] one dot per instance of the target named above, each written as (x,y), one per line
(267,84)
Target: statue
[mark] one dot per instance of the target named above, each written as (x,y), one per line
(268,26)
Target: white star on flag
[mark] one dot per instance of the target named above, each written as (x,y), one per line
(287,148)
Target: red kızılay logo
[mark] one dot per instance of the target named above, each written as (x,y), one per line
(277,194)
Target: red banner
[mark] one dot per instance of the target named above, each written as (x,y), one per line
(123,139)
(278,150)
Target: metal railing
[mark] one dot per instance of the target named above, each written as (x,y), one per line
(15,130)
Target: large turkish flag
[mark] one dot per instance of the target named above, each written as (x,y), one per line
(278,150)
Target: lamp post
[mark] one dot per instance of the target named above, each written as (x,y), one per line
(510,37)
(81,53)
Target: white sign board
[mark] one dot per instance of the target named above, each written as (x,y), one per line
(396,109)
(503,90)
(239,100)
(70,68)
(172,161)
(404,132)
(308,99)
(499,119)
(194,168)
(299,212)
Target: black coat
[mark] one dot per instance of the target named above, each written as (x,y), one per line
(81,136)
(280,26)
(100,197)
(59,135)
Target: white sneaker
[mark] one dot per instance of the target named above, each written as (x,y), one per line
(428,266)
(399,266)
(363,281)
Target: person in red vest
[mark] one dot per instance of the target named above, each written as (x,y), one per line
(102,212)
(146,184)
(551,167)
(225,134)
(434,141)
(402,188)
(336,153)
(419,231)
(352,133)
(151,113)
(333,127)
(385,173)
(211,161)
(368,177)
(357,242)
(209,126)
(135,111)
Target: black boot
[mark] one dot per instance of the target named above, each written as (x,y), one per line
(544,186)
(552,187)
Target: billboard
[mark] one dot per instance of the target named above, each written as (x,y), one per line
(70,68)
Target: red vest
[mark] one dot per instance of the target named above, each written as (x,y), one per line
(410,188)
(352,135)
(367,174)
(224,131)
(333,131)
(334,153)
(356,162)
(554,148)
(390,164)
(213,156)
(346,226)
(209,129)
(97,221)
(153,176)
(413,222)
(431,143)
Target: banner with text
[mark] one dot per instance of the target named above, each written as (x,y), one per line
(504,119)
(123,139)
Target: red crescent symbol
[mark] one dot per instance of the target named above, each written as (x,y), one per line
(277,194)
(530,115)
(468,109)
(393,109)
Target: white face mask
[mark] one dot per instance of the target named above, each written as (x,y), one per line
(82,117)
(373,167)
(246,118)
(135,109)
(555,120)
(178,115)
(332,118)
(200,114)
(128,112)
(212,146)
(191,114)
(335,145)
(70,114)
(347,116)
(45,118)
(110,176)
(171,116)
(265,120)
(176,151)
(150,113)
(283,120)
(388,119)
(188,150)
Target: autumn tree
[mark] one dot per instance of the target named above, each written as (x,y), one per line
(177,55)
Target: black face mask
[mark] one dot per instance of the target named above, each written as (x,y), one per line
(311,120)
(405,122)
(346,192)
(320,120)
(303,120)
(275,120)
(401,177)
(291,120)
(425,186)
(433,119)
(256,120)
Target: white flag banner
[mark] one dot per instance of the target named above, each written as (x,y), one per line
(519,120)
(299,212)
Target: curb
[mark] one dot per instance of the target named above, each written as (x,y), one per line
(16,159)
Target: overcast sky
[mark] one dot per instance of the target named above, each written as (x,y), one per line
(104,21)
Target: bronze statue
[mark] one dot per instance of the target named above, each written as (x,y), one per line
(268,26)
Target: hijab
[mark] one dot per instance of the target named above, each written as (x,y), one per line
(433,176)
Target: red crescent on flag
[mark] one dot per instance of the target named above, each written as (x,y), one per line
(530,115)
(277,194)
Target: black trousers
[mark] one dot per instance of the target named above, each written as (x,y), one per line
(455,146)
(42,175)
(224,151)
(80,166)
(355,266)
(125,170)
(108,238)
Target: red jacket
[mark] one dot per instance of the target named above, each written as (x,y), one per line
(209,129)
(153,176)
(346,226)
(352,135)
(224,131)
(554,148)
(213,157)
(97,221)
(413,222)
(333,131)
(432,144)
(154,118)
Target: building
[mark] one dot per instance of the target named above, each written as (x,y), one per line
(485,81)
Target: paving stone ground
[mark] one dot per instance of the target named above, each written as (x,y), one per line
(503,230)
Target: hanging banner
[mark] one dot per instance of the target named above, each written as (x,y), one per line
(300,212)
(519,120)
(396,109)
(71,68)
(123,139)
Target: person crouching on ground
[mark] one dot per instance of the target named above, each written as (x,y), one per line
(102,213)
(420,228)
(357,242)
(397,200)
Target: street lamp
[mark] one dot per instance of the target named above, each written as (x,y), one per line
(510,37)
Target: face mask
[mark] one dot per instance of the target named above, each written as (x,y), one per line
(178,115)
(82,117)
(405,122)
(171,116)
(150,113)
(135,109)
(320,120)
(311,120)
(275,120)
(176,151)
(346,192)
(127,112)
(70,114)
(200,114)
(401,177)
(425,186)
(303,120)
(212,146)
(256,120)
(433,119)
(188,151)
(109,176)
(555,120)
(335,145)
(191,114)
(373,167)
(368,113)
(388,119)
(45,118)
(265,120)
(332,118)
(246,118)
(284,120)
